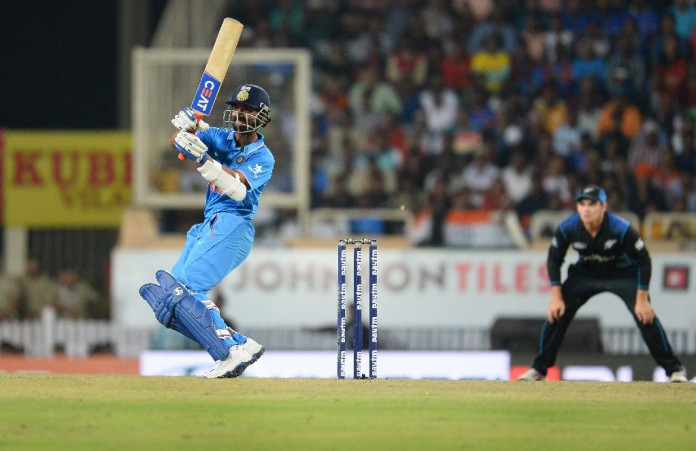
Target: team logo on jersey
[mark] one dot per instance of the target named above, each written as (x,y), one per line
(579,245)
(608,244)
(256,170)
(640,244)
(239,160)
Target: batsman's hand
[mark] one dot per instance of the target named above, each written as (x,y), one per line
(186,121)
(191,146)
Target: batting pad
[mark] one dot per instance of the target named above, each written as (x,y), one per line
(155,297)
(192,314)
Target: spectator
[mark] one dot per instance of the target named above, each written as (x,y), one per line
(339,196)
(536,200)
(406,63)
(9,298)
(517,177)
(478,176)
(37,291)
(492,63)
(370,96)
(626,71)
(684,13)
(619,115)
(440,107)
(557,38)
(456,68)
(647,147)
(669,178)
(588,64)
(598,41)
(566,138)
(672,71)
(646,18)
(76,298)
(497,25)
(657,44)
(647,198)
(555,180)
(588,105)
(611,17)
(550,108)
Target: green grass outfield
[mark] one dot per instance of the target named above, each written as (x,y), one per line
(78,412)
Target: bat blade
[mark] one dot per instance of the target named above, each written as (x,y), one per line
(216,69)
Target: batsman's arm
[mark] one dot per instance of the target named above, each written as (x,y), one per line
(233,172)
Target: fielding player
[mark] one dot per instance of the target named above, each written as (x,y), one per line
(238,165)
(612,258)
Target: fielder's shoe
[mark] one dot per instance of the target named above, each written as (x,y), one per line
(678,376)
(532,375)
(234,365)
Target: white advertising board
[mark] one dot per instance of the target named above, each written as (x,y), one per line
(278,287)
(490,365)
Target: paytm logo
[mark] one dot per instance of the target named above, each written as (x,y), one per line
(206,94)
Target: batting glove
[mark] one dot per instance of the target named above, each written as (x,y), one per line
(186,121)
(191,146)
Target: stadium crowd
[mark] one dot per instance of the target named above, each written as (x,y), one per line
(444,105)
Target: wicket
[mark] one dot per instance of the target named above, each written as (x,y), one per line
(357,307)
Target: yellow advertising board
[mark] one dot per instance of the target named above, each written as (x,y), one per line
(66,178)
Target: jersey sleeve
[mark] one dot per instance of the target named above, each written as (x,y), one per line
(635,249)
(556,254)
(258,168)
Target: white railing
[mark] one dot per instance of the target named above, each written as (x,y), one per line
(75,338)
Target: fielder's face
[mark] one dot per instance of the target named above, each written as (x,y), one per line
(591,212)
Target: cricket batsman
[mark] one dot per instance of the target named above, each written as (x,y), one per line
(237,164)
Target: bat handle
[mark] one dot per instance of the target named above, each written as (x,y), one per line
(181,156)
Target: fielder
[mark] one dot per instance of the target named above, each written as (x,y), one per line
(238,165)
(612,258)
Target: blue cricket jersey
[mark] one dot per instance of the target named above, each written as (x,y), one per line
(254,160)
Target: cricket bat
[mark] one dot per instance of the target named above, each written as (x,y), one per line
(216,68)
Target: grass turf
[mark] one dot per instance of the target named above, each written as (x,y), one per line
(39,411)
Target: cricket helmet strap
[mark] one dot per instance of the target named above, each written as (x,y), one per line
(251,96)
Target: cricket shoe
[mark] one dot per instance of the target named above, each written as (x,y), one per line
(678,376)
(532,375)
(252,348)
(234,365)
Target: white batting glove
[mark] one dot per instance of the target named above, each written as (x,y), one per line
(191,146)
(186,121)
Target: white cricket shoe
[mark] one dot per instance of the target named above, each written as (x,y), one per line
(532,375)
(252,348)
(239,358)
(234,365)
(678,376)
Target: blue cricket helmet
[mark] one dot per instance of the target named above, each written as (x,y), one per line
(252,96)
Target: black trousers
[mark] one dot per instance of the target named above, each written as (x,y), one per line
(578,288)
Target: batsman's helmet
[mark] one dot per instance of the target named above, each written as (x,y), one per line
(251,96)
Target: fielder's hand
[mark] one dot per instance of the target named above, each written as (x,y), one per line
(186,121)
(555,310)
(191,146)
